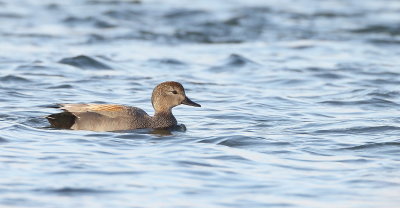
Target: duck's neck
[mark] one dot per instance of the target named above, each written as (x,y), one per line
(164,119)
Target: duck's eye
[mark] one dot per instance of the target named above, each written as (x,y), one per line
(174,92)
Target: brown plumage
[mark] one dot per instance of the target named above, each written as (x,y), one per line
(110,117)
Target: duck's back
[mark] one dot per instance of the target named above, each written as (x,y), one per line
(100,117)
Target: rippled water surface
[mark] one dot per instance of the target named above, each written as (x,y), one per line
(300,103)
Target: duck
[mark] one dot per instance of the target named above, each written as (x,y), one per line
(114,117)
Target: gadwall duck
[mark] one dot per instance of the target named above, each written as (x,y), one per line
(110,117)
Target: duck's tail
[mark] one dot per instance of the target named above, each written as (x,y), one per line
(63,120)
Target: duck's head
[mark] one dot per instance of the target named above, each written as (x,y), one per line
(168,95)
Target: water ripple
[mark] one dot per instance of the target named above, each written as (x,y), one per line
(381,145)
(360,130)
(232,62)
(376,102)
(85,62)
(13,78)
(72,191)
(2,140)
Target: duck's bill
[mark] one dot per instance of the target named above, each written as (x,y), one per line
(187,101)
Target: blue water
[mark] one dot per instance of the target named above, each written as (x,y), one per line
(300,103)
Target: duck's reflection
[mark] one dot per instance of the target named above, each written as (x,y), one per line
(159,131)
(168,131)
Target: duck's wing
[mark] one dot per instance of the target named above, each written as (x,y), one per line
(109,110)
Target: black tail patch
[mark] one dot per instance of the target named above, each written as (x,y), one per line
(63,120)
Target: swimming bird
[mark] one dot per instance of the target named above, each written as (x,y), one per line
(111,117)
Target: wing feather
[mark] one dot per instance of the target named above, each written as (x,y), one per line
(109,110)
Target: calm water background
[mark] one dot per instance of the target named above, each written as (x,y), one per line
(300,103)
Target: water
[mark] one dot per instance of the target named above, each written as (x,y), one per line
(300,103)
